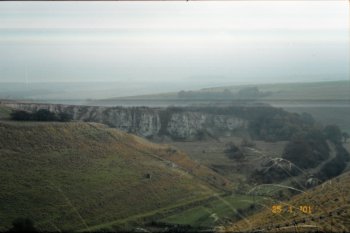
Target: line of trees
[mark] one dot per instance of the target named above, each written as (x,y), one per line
(40,115)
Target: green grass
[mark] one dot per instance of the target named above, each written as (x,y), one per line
(70,176)
(137,218)
(213,213)
(4,112)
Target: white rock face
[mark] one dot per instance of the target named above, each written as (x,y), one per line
(149,124)
(186,124)
(228,122)
(145,121)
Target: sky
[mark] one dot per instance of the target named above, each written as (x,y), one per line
(222,42)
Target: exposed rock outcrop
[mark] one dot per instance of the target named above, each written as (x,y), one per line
(185,124)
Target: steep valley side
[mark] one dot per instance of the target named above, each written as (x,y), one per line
(71,176)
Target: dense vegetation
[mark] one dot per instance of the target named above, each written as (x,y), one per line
(307,150)
(265,122)
(333,133)
(40,115)
(336,166)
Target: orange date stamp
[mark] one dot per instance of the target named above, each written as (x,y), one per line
(279,209)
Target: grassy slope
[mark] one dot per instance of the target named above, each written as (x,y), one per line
(4,112)
(211,214)
(77,175)
(329,205)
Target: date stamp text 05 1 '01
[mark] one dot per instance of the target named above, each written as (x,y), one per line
(279,209)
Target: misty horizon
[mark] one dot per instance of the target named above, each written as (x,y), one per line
(214,43)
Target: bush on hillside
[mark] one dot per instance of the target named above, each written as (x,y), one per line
(65,117)
(307,150)
(233,151)
(44,115)
(331,169)
(346,136)
(40,115)
(21,116)
(333,133)
(246,142)
(336,166)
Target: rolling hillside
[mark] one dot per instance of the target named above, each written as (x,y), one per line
(82,176)
(326,209)
(332,90)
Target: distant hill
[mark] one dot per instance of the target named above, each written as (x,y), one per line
(328,102)
(330,90)
(82,176)
(326,209)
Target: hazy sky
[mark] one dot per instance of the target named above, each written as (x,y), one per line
(239,41)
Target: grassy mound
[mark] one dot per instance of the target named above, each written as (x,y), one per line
(74,176)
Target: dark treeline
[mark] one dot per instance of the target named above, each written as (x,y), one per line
(40,115)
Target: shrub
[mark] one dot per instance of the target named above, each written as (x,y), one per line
(333,133)
(44,115)
(233,151)
(65,117)
(332,168)
(40,115)
(307,150)
(21,116)
(345,136)
(336,166)
(247,143)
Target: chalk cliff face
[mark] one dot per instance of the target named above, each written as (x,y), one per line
(192,124)
(148,122)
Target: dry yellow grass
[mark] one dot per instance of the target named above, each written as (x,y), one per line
(330,211)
